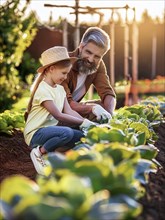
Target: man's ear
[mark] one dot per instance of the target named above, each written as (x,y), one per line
(81,47)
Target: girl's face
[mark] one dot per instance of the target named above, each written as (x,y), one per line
(56,75)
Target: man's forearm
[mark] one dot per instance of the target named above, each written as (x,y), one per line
(81,108)
(110,104)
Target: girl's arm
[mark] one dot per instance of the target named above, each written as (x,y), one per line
(63,117)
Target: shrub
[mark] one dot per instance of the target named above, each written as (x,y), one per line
(16,34)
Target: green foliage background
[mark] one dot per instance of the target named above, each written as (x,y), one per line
(16,34)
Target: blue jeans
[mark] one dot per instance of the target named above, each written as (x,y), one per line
(54,137)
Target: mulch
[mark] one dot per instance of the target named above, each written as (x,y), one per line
(15,159)
(154,200)
(15,156)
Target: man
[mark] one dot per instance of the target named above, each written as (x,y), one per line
(90,69)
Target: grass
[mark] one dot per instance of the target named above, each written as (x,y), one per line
(22,102)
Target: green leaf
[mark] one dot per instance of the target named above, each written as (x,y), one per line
(75,189)
(118,124)
(147,151)
(140,127)
(117,152)
(97,134)
(141,137)
(134,209)
(116,135)
(134,117)
(97,171)
(112,211)
(52,208)
(144,167)
(26,187)
(57,160)
(92,206)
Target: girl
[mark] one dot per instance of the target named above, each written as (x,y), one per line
(48,106)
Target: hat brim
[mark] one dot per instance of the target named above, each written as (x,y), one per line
(42,68)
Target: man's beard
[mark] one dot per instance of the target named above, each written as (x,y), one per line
(85,67)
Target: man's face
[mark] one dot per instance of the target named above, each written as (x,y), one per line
(90,57)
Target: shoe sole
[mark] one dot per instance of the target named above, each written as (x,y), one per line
(38,169)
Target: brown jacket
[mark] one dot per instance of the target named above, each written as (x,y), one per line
(99,79)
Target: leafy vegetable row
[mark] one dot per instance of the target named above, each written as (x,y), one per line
(11,120)
(102,178)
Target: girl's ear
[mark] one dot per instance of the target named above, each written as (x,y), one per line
(51,68)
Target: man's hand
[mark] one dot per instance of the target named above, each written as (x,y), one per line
(101,113)
(86,124)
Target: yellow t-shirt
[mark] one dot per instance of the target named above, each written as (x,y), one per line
(39,117)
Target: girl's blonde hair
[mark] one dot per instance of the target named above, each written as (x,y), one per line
(39,78)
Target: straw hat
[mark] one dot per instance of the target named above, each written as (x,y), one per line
(54,55)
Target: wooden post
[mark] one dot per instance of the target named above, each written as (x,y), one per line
(91,88)
(65,33)
(77,28)
(112,52)
(126,49)
(135,36)
(154,45)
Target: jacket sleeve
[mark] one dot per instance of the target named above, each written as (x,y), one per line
(81,108)
(66,85)
(102,83)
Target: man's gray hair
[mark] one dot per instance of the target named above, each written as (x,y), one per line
(97,36)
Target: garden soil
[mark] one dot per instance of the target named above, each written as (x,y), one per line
(15,159)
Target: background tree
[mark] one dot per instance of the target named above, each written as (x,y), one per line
(16,34)
(146,18)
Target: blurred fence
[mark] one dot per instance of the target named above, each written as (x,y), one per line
(148,34)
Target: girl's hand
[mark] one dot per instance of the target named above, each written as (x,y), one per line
(86,124)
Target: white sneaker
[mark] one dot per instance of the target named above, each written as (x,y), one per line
(38,161)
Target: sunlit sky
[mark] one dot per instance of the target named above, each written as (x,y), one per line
(155,9)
